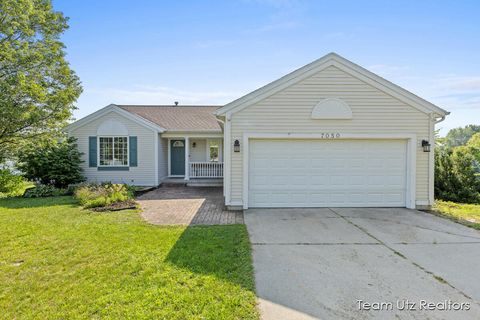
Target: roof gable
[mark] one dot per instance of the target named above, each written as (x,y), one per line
(114,108)
(316,66)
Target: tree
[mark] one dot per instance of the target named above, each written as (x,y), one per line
(474,147)
(455,178)
(459,136)
(37,86)
(56,164)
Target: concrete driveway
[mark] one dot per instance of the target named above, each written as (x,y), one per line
(318,263)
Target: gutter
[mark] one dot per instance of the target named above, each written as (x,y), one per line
(441,119)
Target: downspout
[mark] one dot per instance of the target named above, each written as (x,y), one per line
(431,161)
(224,150)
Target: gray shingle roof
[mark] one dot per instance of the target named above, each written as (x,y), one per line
(178,118)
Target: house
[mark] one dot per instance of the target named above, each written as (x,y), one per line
(330,134)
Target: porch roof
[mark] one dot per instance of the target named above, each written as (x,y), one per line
(178,118)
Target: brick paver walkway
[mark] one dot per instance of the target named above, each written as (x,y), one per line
(187,206)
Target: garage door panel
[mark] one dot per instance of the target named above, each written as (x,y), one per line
(338,180)
(319,198)
(299,180)
(316,173)
(319,180)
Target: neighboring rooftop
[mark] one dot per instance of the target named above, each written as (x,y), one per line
(178,118)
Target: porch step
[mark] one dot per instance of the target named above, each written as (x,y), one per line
(173,184)
(205,183)
(179,182)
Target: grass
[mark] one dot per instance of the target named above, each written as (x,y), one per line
(467,214)
(58,261)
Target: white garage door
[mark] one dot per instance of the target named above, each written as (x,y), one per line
(327,173)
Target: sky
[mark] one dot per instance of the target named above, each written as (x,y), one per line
(212,52)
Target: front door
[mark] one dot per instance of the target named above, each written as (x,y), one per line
(177,157)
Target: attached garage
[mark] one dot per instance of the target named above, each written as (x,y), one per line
(330,134)
(327,173)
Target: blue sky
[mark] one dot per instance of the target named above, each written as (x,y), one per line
(211,52)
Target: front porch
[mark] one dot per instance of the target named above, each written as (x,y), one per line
(195,158)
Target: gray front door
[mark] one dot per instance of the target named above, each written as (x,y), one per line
(177,157)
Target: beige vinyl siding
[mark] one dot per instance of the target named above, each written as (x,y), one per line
(289,110)
(199,153)
(143,174)
(162,158)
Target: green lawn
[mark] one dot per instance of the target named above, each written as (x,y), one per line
(58,261)
(468,214)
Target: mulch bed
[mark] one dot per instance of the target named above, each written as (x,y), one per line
(129,204)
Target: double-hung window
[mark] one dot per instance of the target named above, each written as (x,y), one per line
(113,151)
(213,151)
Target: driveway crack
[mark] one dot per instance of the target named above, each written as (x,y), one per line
(413,225)
(436,277)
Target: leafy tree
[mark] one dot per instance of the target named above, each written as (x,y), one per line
(463,167)
(56,164)
(455,178)
(459,136)
(37,86)
(445,179)
(474,146)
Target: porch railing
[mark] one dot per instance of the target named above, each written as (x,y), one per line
(206,170)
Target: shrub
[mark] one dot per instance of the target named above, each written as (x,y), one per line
(45,190)
(11,185)
(53,163)
(102,195)
(455,175)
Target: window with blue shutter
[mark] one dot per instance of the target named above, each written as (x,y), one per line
(133,151)
(92,151)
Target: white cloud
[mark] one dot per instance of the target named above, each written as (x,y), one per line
(461,83)
(385,69)
(285,15)
(143,94)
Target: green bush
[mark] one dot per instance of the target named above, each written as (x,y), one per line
(11,185)
(455,175)
(53,163)
(45,190)
(102,195)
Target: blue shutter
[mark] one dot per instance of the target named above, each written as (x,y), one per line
(133,151)
(92,151)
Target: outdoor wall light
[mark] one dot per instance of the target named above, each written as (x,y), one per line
(194,145)
(426,146)
(236,146)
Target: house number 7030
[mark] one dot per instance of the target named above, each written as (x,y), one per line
(330,135)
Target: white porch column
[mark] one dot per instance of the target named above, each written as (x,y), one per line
(187,158)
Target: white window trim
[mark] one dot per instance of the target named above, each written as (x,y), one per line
(219,142)
(209,159)
(98,152)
